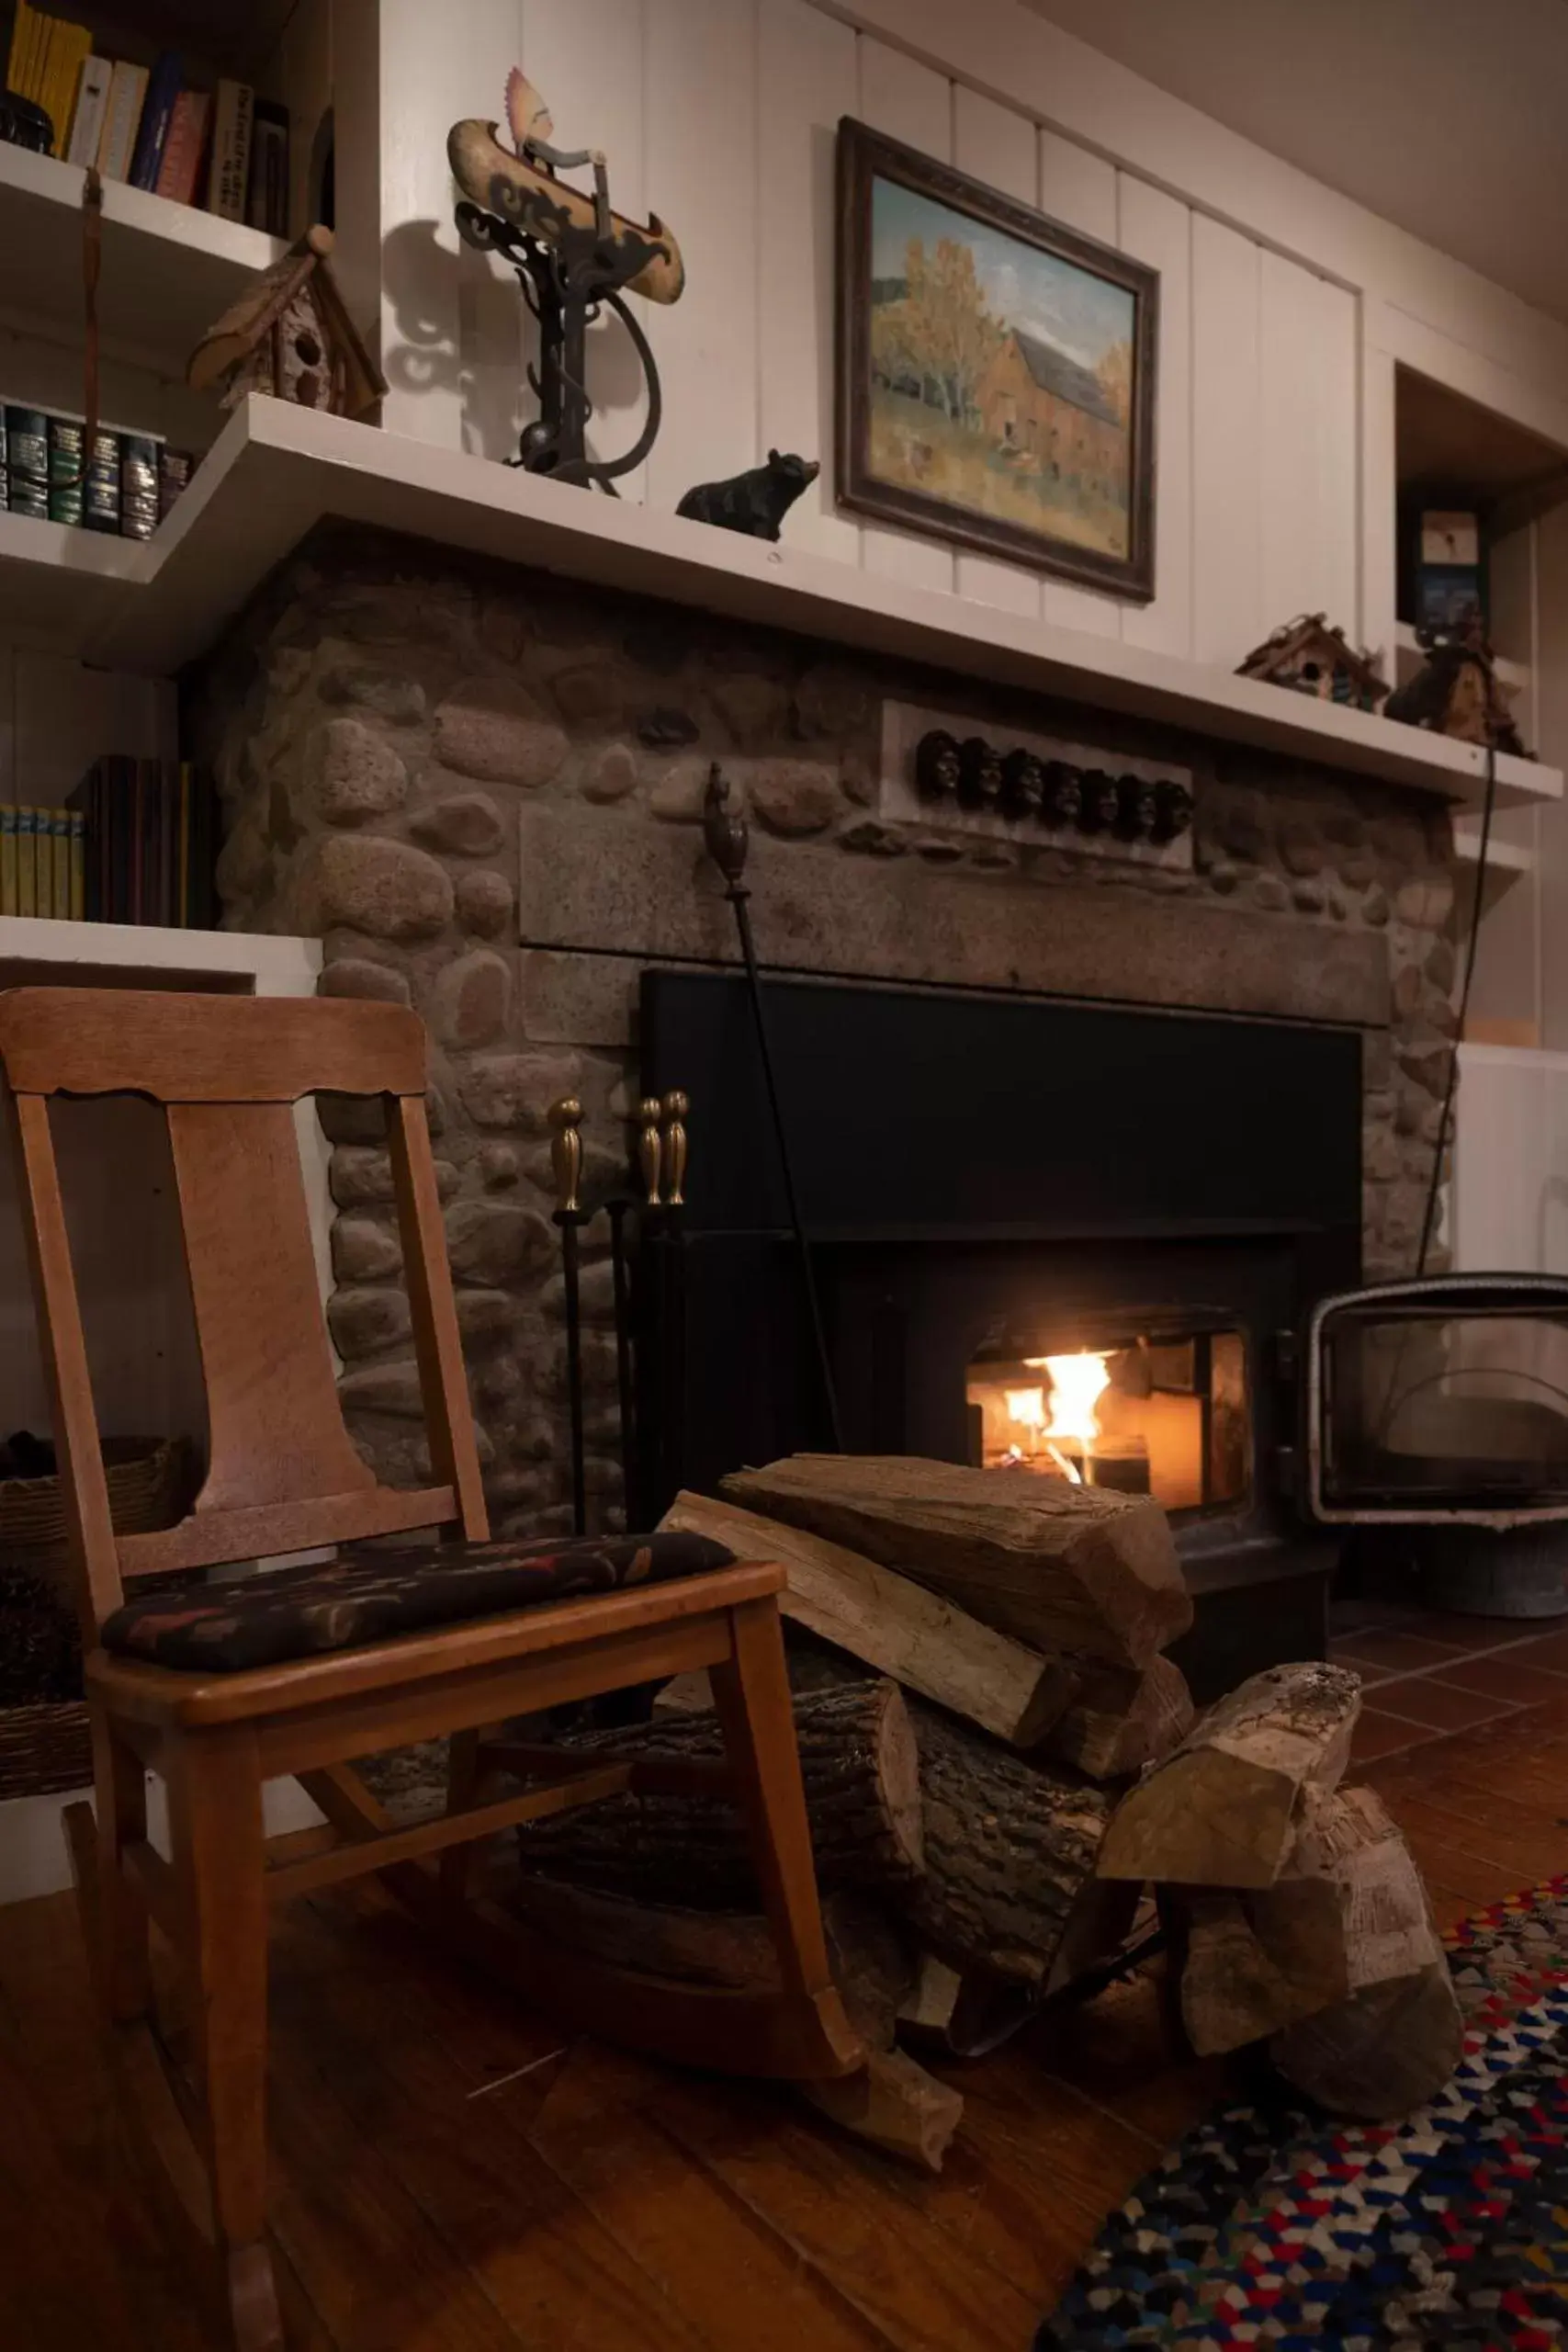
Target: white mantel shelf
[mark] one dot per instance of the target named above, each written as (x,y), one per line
(275,471)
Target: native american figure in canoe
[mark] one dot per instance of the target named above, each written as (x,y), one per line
(522,185)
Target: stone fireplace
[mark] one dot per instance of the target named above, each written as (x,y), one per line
(483,788)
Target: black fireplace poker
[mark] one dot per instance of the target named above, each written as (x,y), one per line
(727,839)
(566,1154)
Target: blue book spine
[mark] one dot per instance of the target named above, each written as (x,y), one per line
(162,89)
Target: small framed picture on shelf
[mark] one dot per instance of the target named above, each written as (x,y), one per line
(996,371)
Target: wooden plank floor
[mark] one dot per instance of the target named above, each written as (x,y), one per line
(452,2174)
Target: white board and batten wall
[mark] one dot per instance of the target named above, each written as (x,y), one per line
(720,115)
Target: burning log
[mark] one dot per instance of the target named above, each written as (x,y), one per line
(896,1627)
(1057,1566)
(858,1761)
(1223,1811)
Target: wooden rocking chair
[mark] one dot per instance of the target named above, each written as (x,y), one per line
(172,1683)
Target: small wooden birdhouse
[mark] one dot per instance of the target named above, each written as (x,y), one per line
(1313,658)
(289,335)
(1457,692)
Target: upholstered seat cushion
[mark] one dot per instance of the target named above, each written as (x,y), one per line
(369,1594)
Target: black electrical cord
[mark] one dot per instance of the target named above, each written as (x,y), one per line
(1433,1189)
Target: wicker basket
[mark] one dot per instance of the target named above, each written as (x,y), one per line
(45,1744)
(146,1483)
(44,1749)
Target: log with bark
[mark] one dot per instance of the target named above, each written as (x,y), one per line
(1223,1811)
(896,1626)
(1009,1853)
(1394,2039)
(858,1761)
(892,2102)
(1119,1721)
(1060,1566)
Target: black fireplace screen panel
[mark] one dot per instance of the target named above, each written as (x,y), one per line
(933,1112)
(987,1181)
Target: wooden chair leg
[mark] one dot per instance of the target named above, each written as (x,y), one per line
(119,1786)
(467,1783)
(217,1839)
(751,1695)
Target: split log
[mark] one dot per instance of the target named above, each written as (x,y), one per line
(1252,1964)
(872,1956)
(1120,1722)
(896,1627)
(1222,1812)
(1060,1566)
(1009,1851)
(858,1761)
(1393,2041)
(892,2102)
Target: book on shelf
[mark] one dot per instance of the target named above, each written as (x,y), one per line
(91,108)
(267,203)
(42,862)
(68,45)
(122,119)
(26,461)
(150,842)
(185,150)
(229,175)
(122,486)
(157,114)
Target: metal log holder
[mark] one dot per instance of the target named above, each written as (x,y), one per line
(565,1158)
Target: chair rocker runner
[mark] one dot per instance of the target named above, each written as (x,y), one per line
(220,1688)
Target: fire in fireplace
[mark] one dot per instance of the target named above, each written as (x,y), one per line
(1150,1409)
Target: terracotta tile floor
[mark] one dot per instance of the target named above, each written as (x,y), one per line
(1427,1675)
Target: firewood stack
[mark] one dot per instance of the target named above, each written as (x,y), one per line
(998,1761)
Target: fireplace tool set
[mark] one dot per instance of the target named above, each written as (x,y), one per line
(655,1245)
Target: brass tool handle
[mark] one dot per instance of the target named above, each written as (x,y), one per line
(675,1107)
(566,1152)
(650,1148)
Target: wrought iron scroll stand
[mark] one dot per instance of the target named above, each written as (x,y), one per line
(566,284)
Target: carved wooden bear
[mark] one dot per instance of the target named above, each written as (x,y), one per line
(755,502)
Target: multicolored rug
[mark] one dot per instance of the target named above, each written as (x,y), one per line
(1269,2225)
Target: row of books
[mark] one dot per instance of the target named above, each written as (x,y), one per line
(42,862)
(226,150)
(151,842)
(125,484)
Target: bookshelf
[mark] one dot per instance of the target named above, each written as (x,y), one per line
(169,271)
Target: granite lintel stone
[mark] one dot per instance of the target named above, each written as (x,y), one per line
(587,876)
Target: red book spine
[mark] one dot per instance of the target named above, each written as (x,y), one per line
(180,170)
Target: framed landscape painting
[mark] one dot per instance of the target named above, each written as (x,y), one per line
(996,371)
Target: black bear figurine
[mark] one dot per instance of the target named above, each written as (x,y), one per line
(755,502)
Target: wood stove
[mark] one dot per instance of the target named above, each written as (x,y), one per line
(1014,1202)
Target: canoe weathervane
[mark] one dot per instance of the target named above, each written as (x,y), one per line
(575,256)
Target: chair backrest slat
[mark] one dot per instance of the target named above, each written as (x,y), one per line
(283,1472)
(276,1431)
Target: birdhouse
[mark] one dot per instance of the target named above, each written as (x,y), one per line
(289,335)
(1315,658)
(1457,692)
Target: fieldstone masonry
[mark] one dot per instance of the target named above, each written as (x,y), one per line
(401,739)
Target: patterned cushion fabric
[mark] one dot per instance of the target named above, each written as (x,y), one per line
(368,1595)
